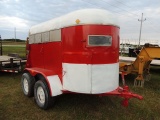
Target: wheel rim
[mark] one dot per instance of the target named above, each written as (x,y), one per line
(25,85)
(41,95)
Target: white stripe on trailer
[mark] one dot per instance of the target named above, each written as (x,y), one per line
(90,78)
(12,71)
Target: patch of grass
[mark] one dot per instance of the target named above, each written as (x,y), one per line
(14,105)
(13,43)
(14,49)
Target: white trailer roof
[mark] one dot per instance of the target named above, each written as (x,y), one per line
(84,16)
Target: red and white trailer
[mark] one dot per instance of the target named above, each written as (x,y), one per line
(79,53)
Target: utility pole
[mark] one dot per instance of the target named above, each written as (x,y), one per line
(0,46)
(141,20)
(15,33)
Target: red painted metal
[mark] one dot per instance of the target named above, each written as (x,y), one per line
(47,58)
(125,93)
(73,48)
(76,49)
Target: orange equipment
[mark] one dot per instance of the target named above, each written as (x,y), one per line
(141,65)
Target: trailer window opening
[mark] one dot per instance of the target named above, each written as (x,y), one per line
(38,38)
(99,40)
(45,36)
(31,39)
(55,35)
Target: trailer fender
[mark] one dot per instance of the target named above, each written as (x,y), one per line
(55,85)
(53,81)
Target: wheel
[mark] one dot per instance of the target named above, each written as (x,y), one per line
(42,96)
(27,83)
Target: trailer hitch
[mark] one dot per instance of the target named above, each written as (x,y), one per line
(124,93)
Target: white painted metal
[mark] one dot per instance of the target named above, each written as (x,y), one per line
(77,77)
(38,38)
(105,77)
(45,36)
(31,39)
(90,78)
(55,85)
(85,16)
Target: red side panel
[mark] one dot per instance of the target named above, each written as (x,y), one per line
(53,56)
(36,58)
(46,56)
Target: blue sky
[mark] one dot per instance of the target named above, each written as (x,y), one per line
(22,14)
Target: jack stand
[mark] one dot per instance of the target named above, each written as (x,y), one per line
(123,79)
(138,83)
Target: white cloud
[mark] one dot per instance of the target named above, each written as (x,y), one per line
(22,14)
(10,22)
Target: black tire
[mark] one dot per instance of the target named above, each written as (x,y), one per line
(42,96)
(27,79)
